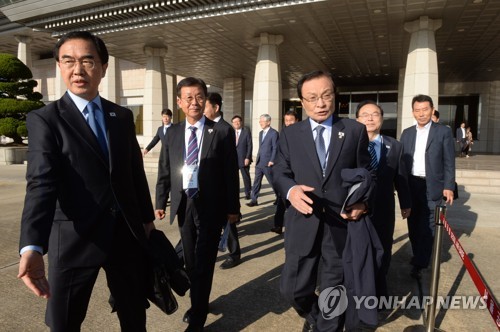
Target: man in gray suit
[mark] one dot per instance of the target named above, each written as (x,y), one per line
(429,157)
(268,145)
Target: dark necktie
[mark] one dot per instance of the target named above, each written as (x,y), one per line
(96,127)
(192,157)
(320,147)
(373,156)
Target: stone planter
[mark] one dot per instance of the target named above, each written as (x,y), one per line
(13,155)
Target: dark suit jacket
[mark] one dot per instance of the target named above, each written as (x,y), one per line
(218,181)
(267,148)
(460,136)
(159,136)
(244,147)
(391,174)
(297,163)
(439,158)
(72,189)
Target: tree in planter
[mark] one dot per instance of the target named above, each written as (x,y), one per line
(17,97)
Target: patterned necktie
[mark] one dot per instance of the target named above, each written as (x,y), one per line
(192,157)
(320,147)
(373,156)
(96,126)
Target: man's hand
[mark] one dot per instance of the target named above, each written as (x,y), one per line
(148,228)
(449,196)
(405,213)
(247,162)
(32,272)
(233,218)
(160,214)
(144,152)
(354,212)
(270,164)
(299,200)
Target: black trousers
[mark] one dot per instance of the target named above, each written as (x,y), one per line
(257,181)
(200,238)
(125,268)
(247,182)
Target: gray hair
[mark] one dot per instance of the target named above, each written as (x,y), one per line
(267,117)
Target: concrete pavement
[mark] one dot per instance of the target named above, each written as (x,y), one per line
(246,298)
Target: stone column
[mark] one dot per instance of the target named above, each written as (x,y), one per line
(234,98)
(421,75)
(172,96)
(24,49)
(267,84)
(108,83)
(60,87)
(155,91)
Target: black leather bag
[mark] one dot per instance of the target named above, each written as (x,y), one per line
(167,273)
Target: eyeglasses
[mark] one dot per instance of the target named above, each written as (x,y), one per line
(326,98)
(69,63)
(372,115)
(189,100)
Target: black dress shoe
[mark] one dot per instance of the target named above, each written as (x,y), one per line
(308,327)
(230,263)
(187,316)
(191,328)
(277,230)
(252,203)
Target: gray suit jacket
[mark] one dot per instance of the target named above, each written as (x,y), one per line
(244,147)
(267,148)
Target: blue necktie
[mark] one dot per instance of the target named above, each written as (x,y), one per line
(373,156)
(97,126)
(320,147)
(192,157)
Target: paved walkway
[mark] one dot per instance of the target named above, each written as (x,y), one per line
(247,297)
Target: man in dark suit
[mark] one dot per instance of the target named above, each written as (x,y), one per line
(213,112)
(461,139)
(386,153)
(161,133)
(311,155)
(429,157)
(268,145)
(87,199)
(204,194)
(244,147)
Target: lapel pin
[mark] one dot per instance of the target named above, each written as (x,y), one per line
(210,131)
(112,114)
(341,134)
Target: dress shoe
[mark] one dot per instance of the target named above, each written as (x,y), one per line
(252,204)
(194,329)
(416,272)
(277,230)
(187,316)
(308,327)
(230,263)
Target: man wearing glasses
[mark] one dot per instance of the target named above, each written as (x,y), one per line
(386,153)
(199,167)
(311,155)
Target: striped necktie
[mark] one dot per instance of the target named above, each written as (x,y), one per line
(373,156)
(97,126)
(192,157)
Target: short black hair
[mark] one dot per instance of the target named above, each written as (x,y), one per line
(292,113)
(166,111)
(215,99)
(85,35)
(310,76)
(368,102)
(191,81)
(436,113)
(421,99)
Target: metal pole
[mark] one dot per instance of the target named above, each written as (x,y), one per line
(436,261)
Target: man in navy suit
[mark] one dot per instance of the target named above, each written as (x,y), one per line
(268,145)
(244,147)
(461,139)
(198,166)
(429,157)
(312,154)
(87,198)
(161,133)
(387,153)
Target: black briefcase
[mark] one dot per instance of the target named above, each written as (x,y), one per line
(167,273)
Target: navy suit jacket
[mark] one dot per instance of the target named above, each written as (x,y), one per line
(72,190)
(298,163)
(218,178)
(439,158)
(267,148)
(159,136)
(244,147)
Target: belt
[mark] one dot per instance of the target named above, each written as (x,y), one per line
(418,177)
